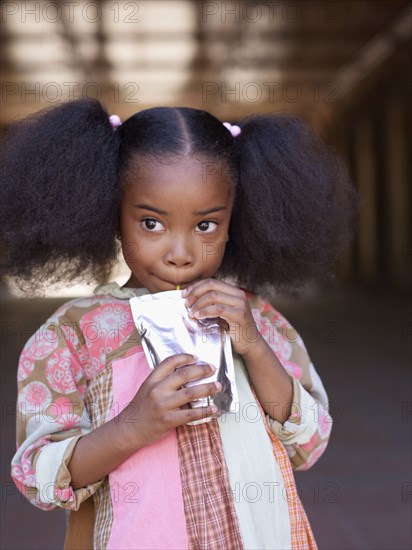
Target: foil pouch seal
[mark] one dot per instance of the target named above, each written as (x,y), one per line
(166,329)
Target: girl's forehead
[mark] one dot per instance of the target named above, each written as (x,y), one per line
(185,176)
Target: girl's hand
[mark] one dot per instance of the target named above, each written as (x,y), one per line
(156,407)
(212,298)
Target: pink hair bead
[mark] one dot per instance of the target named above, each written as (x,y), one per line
(233,129)
(115,120)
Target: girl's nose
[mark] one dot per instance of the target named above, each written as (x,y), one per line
(179,253)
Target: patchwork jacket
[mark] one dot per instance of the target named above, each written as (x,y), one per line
(233,480)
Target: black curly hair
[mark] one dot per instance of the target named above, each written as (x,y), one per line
(63,170)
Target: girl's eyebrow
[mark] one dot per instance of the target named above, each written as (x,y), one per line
(198,213)
(148,207)
(210,210)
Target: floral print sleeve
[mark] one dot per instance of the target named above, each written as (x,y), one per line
(305,434)
(51,415)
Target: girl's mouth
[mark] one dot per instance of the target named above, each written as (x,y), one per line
(179,285)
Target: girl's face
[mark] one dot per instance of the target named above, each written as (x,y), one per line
(174,221)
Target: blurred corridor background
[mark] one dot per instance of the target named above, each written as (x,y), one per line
(344,66)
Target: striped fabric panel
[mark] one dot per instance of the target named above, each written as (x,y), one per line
(98,403)
(301,532)
(103,515)
(211,518)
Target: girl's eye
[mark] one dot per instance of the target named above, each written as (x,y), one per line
(151,224)
(207,227)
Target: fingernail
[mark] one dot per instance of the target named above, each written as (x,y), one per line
(218,385)
(184,292)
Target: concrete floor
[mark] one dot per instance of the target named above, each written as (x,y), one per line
(359,494)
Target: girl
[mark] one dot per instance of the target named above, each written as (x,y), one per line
(224,212)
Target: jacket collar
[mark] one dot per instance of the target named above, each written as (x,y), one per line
(113,289)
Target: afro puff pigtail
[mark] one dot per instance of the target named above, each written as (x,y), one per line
(295,210)
(60,196)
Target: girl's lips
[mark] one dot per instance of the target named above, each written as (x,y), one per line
(182,284)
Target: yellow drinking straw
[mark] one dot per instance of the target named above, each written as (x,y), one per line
(177,287)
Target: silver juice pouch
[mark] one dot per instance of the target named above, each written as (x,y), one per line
(165,327)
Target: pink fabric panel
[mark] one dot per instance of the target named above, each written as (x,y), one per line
(146,489)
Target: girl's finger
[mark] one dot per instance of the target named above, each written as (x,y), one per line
(233,315)
(170,364)
(211,298)
(183,416)
(190,393)
(204,285)
(194,291)
(186,291)
(184,374)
